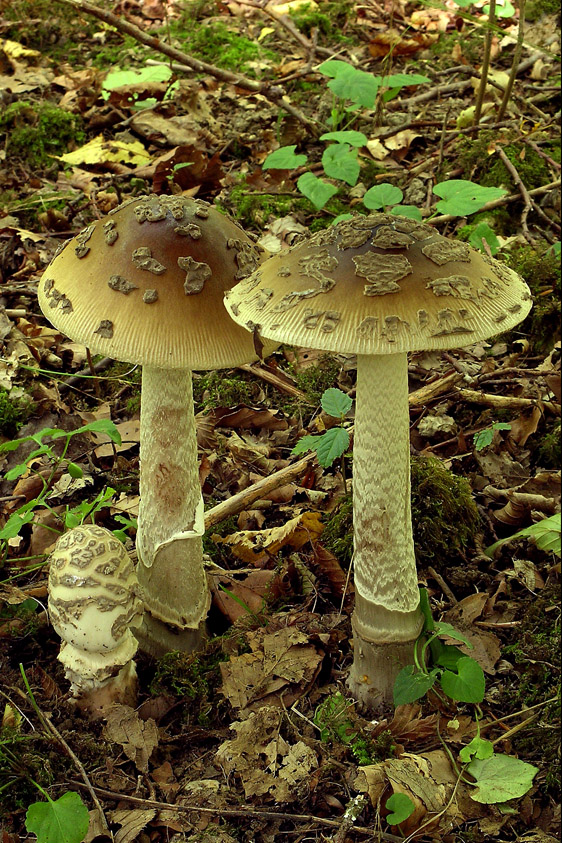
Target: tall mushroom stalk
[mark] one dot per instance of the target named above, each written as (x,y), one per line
(386,618)
(380,286)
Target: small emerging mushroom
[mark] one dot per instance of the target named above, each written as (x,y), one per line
(379,286)
(93,603)
(145,285)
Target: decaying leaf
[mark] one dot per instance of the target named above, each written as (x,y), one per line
(138,737)
(132,822)
(268,766)
(256,546)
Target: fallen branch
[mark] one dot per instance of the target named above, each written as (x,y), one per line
(270,92)
(505,402)
(527,202)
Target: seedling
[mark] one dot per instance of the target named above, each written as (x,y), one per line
(333,443)
(484,437)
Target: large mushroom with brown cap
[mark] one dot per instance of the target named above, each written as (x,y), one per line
(380,286)
(145,285)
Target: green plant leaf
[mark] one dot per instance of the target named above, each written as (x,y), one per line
(340,162)
(335,402)
(335,68)
(74,470)
(446,629)
(341,217)
(284,158)
(65,820)
(315,189)
(14,524)
(477,748)
(402,80)
(484,232)
(99,426)
(545,534)
(401,806)
(504,9)
(410,211)
(410,684)
(356,85)
(351,137)
(500,778)
(467,684)
(484,437)
(461,198)
(445,655)
(329,446)
(382,195)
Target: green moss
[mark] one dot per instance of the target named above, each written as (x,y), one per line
(36,132)
(255,210)
(535,9)
(470,45)
(315,380)
(215,43)
(444,516)
(541,270)
(213,389)
(329,22)
(532,168)
(14,412)
(499,220)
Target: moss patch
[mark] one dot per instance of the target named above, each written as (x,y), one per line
(36,132)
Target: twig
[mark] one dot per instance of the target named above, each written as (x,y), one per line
(231,812)
(542,154)
(515,62)
(503,402)
(444,587)
(485,66)
(272,93)
(527,202)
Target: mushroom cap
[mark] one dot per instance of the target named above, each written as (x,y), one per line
(379,284)
(93,590)
(146,284)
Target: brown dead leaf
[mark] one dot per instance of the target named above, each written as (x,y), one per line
(164,777)
(328,567)
(241,597)
(257,546)
(130,438)
(383,43)
(284,659)
(268,766)
(407,725)
(525,425)
(244,416)
(132,822)
(139,738)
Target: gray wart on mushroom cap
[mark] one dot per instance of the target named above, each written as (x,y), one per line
(146,285)
(379,284)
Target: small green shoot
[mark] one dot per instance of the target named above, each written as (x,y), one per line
(484,437)
(333,443)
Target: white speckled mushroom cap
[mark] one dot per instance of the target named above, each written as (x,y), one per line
(93,590)
(146,285)
(379,284)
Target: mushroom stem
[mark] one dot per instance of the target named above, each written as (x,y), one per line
(387,619)
(169,538)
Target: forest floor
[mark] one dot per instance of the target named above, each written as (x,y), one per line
(256,737)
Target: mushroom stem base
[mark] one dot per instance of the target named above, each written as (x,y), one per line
(157,638)
(375,667)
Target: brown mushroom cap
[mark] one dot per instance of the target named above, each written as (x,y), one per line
(379,284)
(146,284)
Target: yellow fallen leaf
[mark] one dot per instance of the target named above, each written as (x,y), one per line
(256,546)
(100,151)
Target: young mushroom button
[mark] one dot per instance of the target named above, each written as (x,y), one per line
(146,285)
(93,604)
(380,286)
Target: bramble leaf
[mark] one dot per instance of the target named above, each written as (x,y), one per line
(335,402)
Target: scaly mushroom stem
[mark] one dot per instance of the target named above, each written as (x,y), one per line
(169,538)
(387,619)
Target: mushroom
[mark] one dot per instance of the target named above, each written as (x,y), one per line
(380,286)
(93,603)
(145,285)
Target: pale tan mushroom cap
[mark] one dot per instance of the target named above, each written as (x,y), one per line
(379,284)
(146,284)
(93,591)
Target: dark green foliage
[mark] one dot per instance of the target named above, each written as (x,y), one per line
(217,44)
(13,413)
(541,270)
(549,451)
(213,389)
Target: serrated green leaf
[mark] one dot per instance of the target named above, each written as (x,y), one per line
(484,232)
(409,211)
(477,748)
(382,195)
(335,402)
(483,438)
(331,446)
(401,806)
(315,189)
(545,534)
(65,820)
(467,684)
(14,524)
(339,161)
(410,685)
(461,198)
(284,158)
(500,778)
(351,137)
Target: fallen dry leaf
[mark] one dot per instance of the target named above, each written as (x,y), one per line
(257,546)
(139,738)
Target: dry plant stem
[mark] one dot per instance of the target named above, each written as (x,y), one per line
(516,56)
(527,202)
(485,65)
(228,812)
(169,542)
(387,620)
(192,63)
(504,402)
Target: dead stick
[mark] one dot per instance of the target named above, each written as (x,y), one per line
(502,402)
(527,202)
